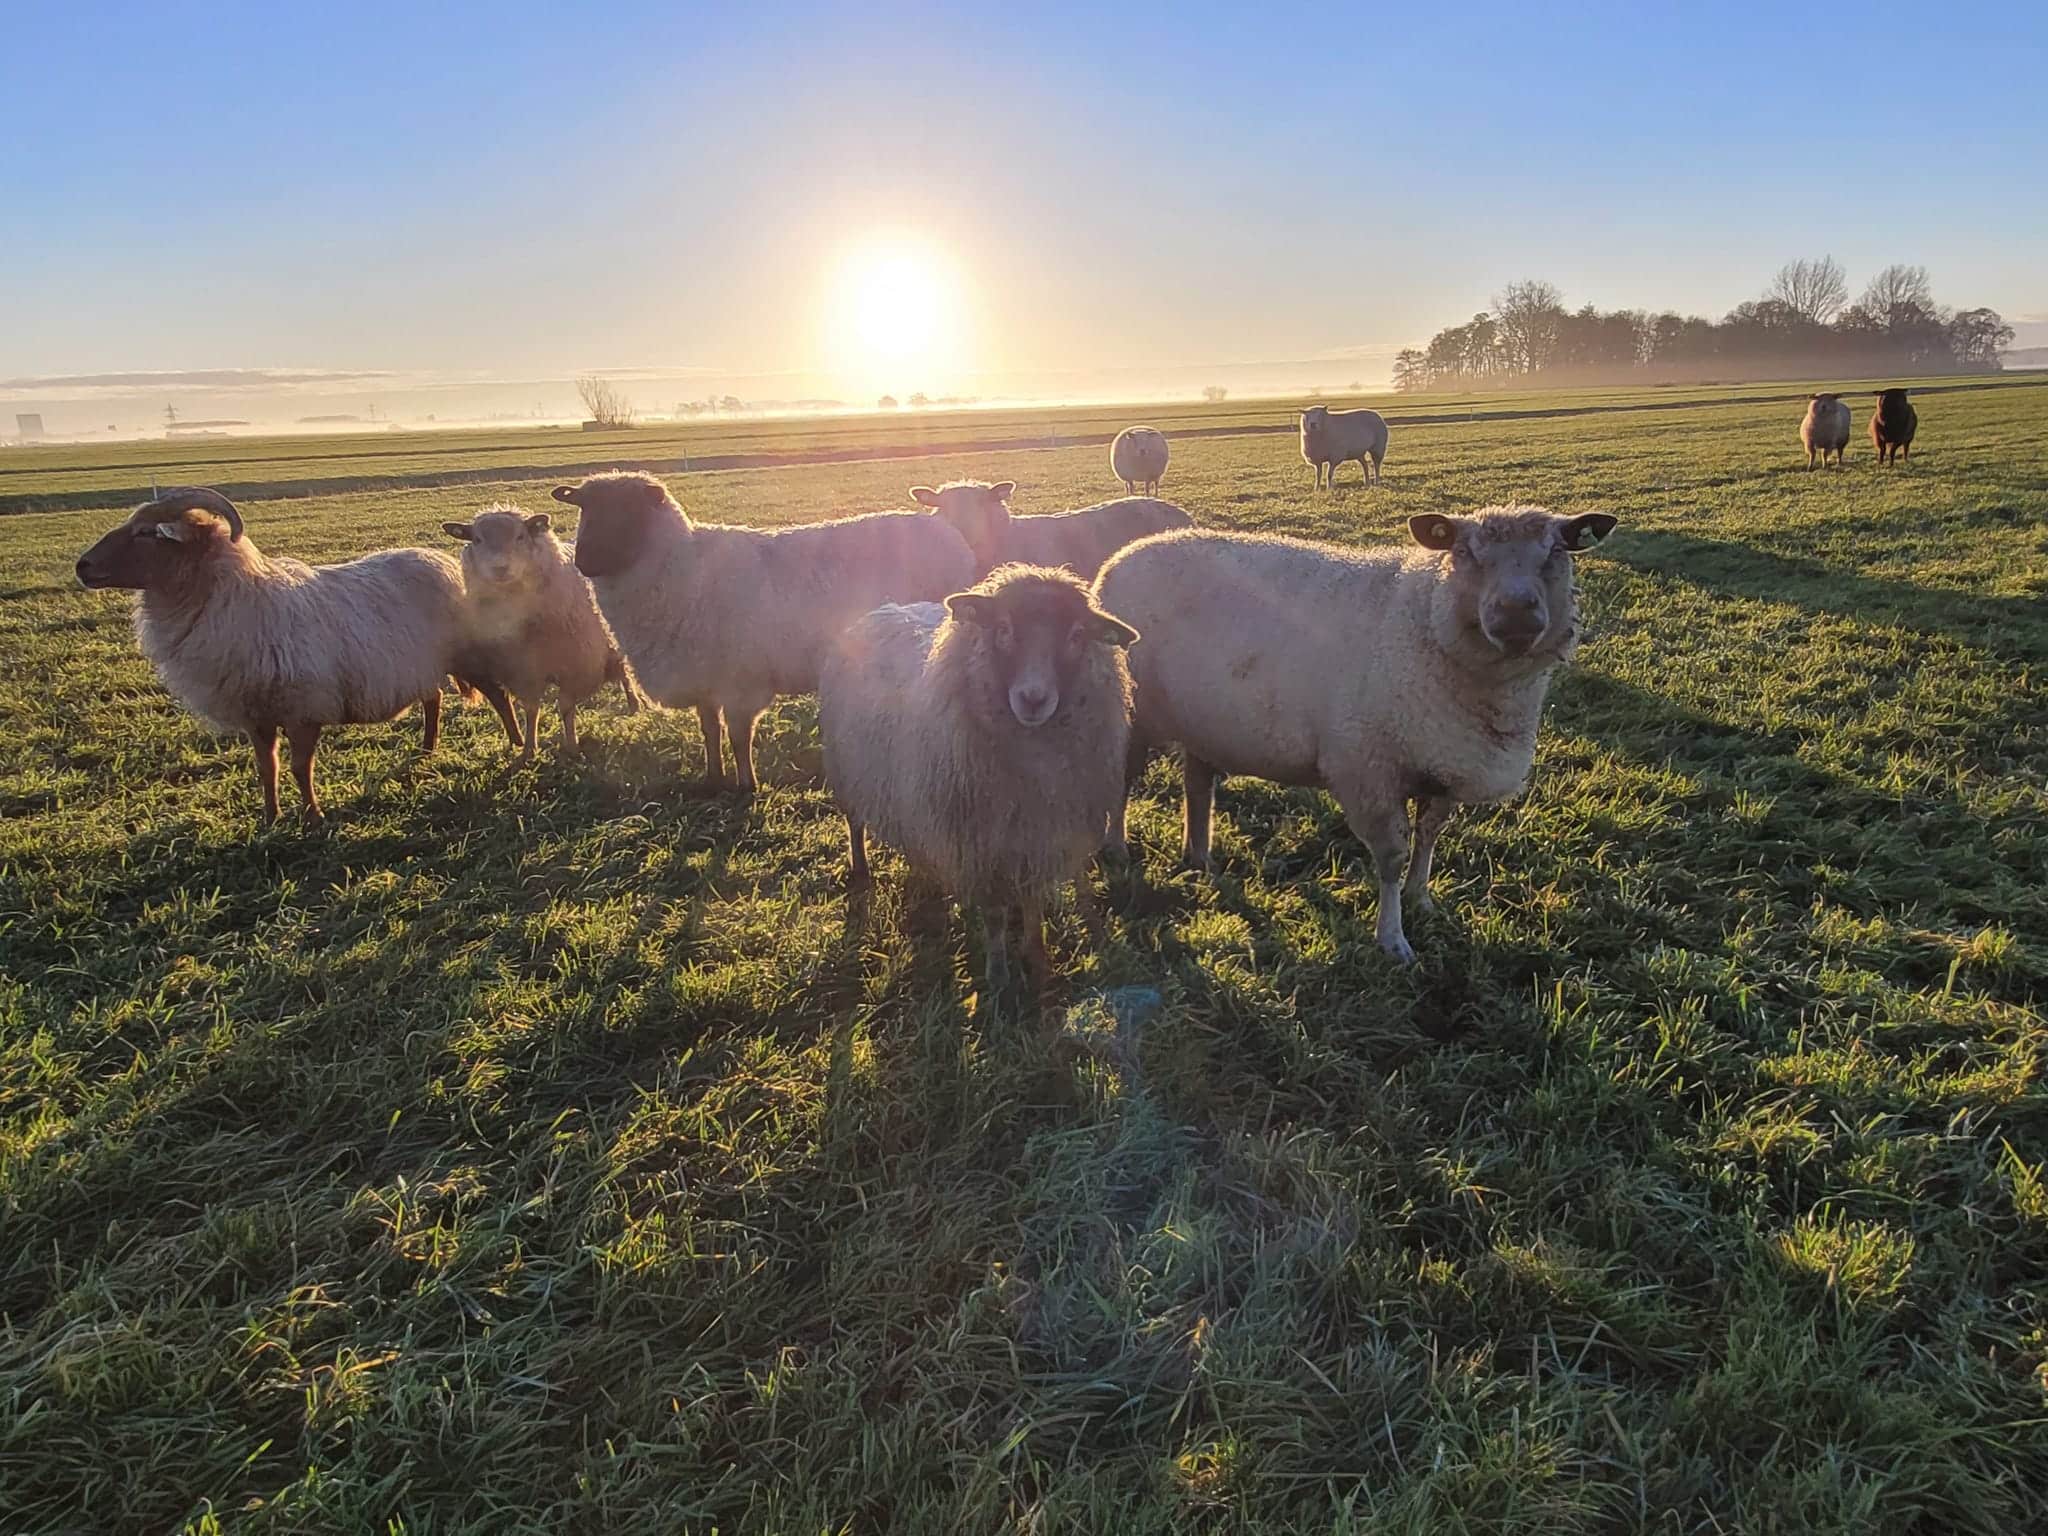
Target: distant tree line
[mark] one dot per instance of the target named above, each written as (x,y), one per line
(1802,325)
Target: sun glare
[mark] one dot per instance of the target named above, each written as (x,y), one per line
(893,315)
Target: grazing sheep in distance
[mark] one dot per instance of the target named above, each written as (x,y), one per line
(1079,540)
(532,616)
(1330,438)
(1825,429)
(1382,675)
(986,740)
(254,644)
(724,619)
(1892,426)
(1138,458)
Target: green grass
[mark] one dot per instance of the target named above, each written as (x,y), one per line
(541,1150)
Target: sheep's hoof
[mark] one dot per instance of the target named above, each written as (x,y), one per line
(1400,949)
(859,880)
(1420,900)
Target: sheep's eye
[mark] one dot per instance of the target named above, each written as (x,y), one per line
(1005,635)
(1077,637)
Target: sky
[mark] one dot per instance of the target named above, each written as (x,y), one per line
(756,199)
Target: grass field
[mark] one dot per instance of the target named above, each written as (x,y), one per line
(543,1150)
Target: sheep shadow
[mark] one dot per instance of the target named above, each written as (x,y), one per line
(2012,628)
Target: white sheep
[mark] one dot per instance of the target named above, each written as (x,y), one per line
(724,619)
(532,619)
(1825,428)
(986,740)
(1330,438)
(1078,541)
(1382,675)
(1138,458)
(254,644)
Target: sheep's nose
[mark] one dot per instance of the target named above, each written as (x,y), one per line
(1032,702)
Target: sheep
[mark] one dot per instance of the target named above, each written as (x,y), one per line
(1330,438)
(1892,426)
(724,619)
(533,616)
(1138,458)
(255,644)
(1825,429)
(986,740)
(1079,540)
(1382,675)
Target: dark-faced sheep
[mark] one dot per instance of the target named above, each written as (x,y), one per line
(257,644)
(725,619)
(1892,426)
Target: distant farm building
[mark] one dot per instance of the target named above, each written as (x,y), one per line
(28,426)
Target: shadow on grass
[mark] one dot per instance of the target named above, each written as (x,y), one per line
(2014,628)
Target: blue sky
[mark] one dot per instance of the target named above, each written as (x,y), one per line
(537,190)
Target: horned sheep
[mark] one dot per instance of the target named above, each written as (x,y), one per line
(1078,541)
(530,614)
(1330,438)
(724,619)
(986,740)
(1138,458)
(256,643)
(1383,675)
(1825,428)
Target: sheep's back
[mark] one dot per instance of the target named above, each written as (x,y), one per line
(1259,652)
(328,645)
(1081,540)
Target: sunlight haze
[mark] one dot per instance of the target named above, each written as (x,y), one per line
(281,215)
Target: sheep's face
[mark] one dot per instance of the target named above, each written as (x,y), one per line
(978,513)
(1035,628)
(619,511)
(155,550)
(505,548)
(1509,572)
(1313,420)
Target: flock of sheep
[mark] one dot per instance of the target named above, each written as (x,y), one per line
(988,684)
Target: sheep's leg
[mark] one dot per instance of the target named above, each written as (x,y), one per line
(1088,905)
(498,701)
(857,874)
(1430,816)
(741,727)
(1198,793)
(264,740)
(1381,823)
(567,706)
(995,939)
(305,740)
(530,708)
(714,746)
(1031,939)
(1377,473)
(1117,844)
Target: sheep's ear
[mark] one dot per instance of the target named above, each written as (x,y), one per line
(461,531)
(1432,530)
(566,493)
(1003,490)
(974,608)
(1585,530)
(1111,630)
(538,522)
(924,495)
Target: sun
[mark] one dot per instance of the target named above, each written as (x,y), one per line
(893,314)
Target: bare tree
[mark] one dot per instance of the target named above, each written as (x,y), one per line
(1214,393)
(606,405)
(1527,316)
(1814,290)
(1898,287)
(1411,370)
